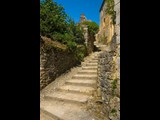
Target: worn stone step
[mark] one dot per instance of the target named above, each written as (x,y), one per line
(77,89)
(66,111)
(89,67)
(87,72)
(91,83)
(91,64)
(45,115)
(68,97)
(93,61)
(95,58)
(83,76)
(92,58)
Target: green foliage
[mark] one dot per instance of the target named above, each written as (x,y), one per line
(79,35)
(58,37)
(114,87)
(80,52)
(92,27)
(52,18)
(57,25)
(113,110)
(71,45)
(114,84)
(110,9)
(76,31)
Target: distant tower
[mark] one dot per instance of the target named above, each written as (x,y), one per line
(82,18)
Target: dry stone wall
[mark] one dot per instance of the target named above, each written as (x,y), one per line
(109,83)
(53,62)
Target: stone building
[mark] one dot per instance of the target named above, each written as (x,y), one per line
(106,29)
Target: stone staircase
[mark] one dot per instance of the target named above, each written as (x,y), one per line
(68,101)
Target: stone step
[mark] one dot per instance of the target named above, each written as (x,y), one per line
(45,115)
(69,97)
(91,64)
(82,76)
(89,67)
(87,72)
(91,83)
(93,61)
(66,111)
(92,58)
(95,58)
(77,89)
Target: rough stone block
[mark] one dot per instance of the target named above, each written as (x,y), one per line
(102,83)
(114,104)
(118,64)
(118,50)
(117,30)
(118,19)
(117,6)
(116,1)
(106,60)
(118,40)
(110,75)
(99,92)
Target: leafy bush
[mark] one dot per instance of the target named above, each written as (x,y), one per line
(92,27)
(80,52)
(58,37)
(52,18)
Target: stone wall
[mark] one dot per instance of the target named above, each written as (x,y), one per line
(109,73)
(55,59)
(109,83)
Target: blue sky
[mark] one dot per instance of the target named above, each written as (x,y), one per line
(74,8)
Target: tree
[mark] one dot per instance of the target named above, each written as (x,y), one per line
(92,27)
(57,25)
(52,18)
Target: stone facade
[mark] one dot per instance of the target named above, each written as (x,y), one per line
(109,72)
(54,61)
(106,30)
